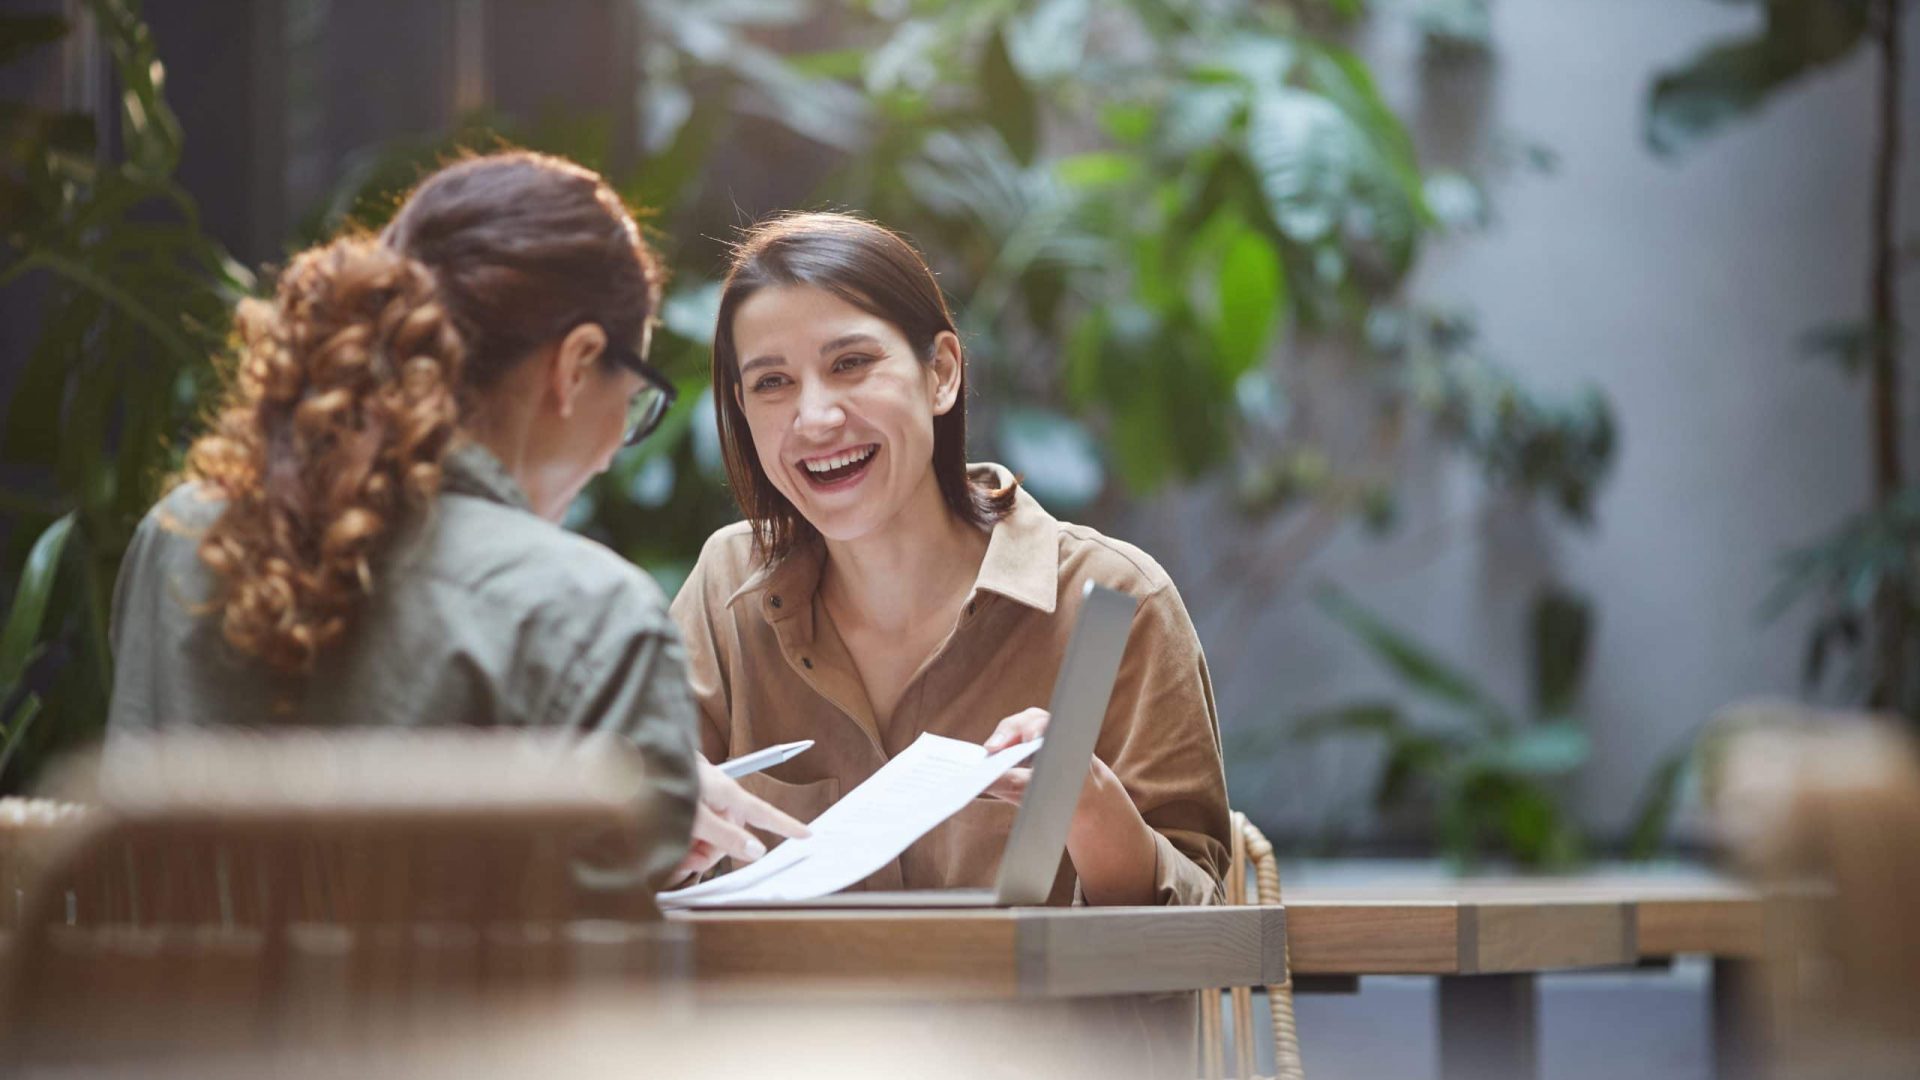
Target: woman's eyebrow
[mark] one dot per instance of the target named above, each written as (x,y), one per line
(770,360)
(845,340)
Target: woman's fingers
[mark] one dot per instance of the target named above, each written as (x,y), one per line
(1023,726)
(726,837)
(1011,786)
(698,860)
(761,814)
(739,806)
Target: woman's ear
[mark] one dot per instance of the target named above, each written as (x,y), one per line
(948,366)
(572,362)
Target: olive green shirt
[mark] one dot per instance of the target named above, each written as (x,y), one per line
(481,613)
(768,667)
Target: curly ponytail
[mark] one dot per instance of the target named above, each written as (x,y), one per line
(343,403)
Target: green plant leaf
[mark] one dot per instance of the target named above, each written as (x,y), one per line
(1421,670)
(1098,169)
(1848,344)
(1528,821)
(1729,80)
(1344,78)
(29,608)
(1086,348)
(1129,123)
(1562,634)
(1551,749)
(1010,104)
(1252,296)
(15,726)
(1410,759)
(1305,150)
(1458,815)
(1380,718)
(1456,201)
(1653,811)
(1141,443)
(830,63)
(1197,117)
(150,133)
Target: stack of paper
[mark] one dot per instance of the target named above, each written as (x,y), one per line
(925,785)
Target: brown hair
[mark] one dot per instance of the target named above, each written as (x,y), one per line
(351,383)
(878,271)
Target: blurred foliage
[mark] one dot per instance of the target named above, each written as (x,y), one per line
(1144,214)
(1732,79)
(1844,572)
(1861,575)
(1157,221)
(1494,777)
(134,299)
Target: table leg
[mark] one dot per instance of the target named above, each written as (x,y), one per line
(1489,1028)
(1736,1035)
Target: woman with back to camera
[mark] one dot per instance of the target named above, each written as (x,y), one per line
(366,535)
(881,587)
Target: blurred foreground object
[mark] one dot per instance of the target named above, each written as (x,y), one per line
(1836,805)
(235,889)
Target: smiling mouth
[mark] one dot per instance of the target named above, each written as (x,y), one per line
(839,470)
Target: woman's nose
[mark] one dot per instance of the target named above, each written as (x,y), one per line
(819,410)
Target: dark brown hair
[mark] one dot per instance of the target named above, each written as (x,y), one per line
(876,270)
(350,384)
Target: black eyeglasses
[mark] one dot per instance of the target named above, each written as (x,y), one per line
(650,404)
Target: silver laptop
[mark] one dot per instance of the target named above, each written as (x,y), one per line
(1039,836)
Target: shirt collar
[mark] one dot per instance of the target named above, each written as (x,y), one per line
(1023,553)
(471,469)
(789,585)
(1022,561)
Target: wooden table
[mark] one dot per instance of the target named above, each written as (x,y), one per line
(1008,953)
(1487,938)
(1484,938)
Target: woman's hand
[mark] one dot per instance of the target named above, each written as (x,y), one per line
(719,824)
(1111,845)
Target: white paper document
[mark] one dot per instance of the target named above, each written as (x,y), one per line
(928,782)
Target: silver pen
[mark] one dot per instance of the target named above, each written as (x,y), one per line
(747,764)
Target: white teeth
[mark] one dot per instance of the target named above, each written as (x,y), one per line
(840,460)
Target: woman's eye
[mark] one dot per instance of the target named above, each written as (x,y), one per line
(848,363)
(769,382)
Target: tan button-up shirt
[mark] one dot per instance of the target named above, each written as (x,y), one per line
(767,666)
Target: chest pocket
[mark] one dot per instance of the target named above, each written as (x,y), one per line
(803,801)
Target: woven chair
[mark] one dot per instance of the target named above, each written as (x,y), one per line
(306,885)
(1252,855)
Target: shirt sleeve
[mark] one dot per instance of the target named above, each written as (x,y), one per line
(629,679)
(1162,739)
(696,611)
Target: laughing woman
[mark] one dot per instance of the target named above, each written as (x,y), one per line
(881,587)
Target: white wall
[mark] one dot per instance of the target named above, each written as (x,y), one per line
(1679,288)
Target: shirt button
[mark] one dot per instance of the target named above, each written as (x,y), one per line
(776,601)
(807,662)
